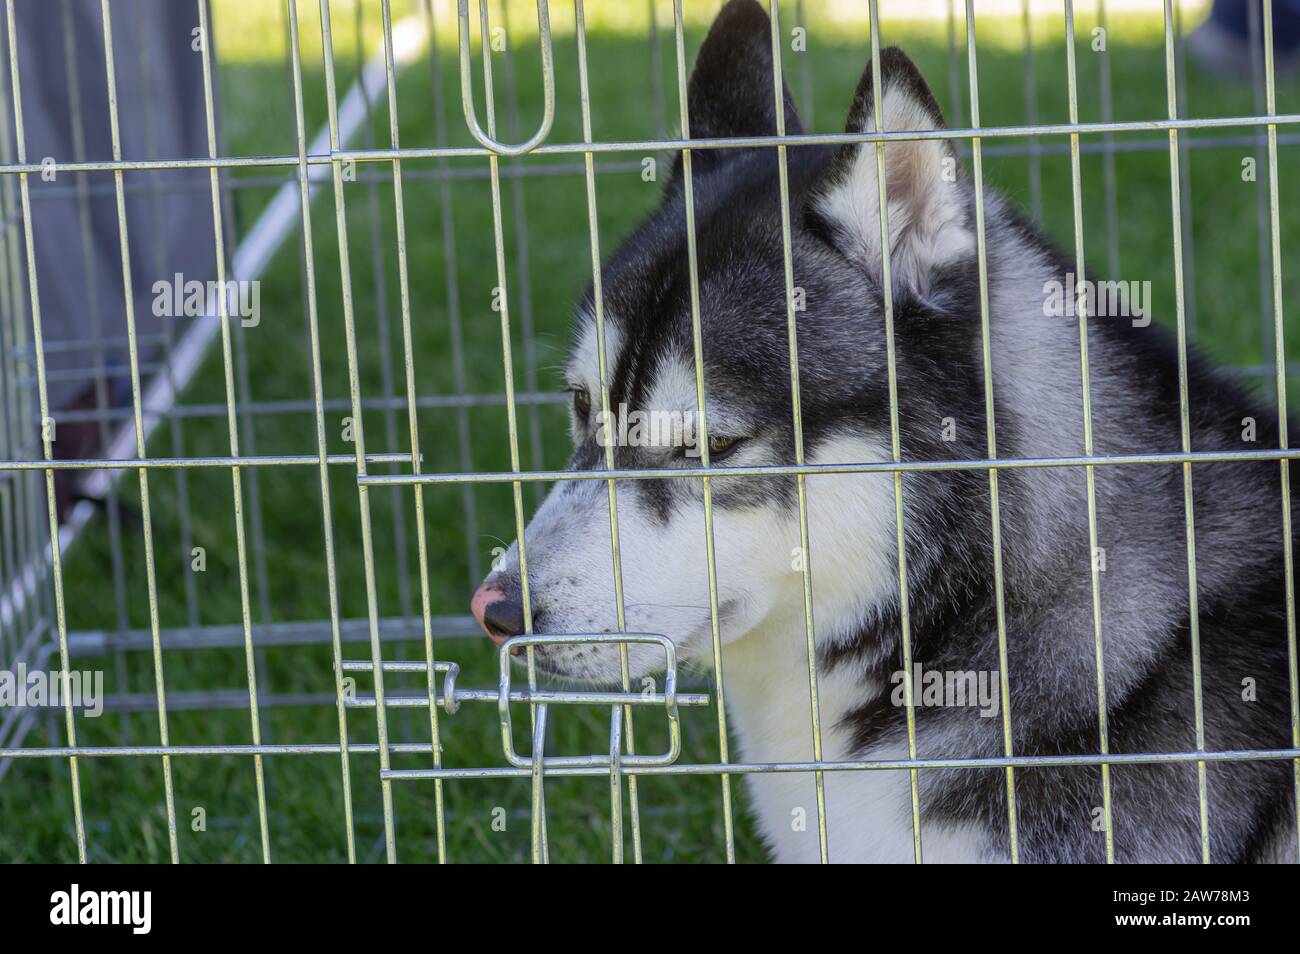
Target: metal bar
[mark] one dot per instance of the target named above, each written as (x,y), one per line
(169,463)
(788,470)
(620,700)
(452,278)
(1193,614)
(1107,148)
(1015,131)
(1185,172)
(1018,131)
(354,389)
(1031,117)
(783,174)
(616,783)
(413,420)
(895,440)
(954,70)
(694,768)
(137,403)
(1279,349)
(536,714)
(327,511)
(697,344)
(8,559)
(540,853)
(541,166)
(981,253)
(1255,41)
(98,642)
(47,448)
(227,361)
(522,272)
(598,299)
(1076,192)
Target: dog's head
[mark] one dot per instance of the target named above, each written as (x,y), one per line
(649,369)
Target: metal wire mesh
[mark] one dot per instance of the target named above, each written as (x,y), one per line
(36,626)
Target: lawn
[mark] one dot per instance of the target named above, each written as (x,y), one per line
(681,817)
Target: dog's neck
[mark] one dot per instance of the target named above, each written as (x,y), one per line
(765,676)
(768,691)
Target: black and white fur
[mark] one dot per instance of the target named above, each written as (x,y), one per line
(1045,547)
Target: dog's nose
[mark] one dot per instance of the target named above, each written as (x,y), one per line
(499,613)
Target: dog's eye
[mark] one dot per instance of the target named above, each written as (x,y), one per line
(581,402)
(722,446)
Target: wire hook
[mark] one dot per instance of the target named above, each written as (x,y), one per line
(467,82)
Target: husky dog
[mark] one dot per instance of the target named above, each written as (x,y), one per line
(952,602)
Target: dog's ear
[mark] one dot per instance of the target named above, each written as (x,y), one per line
(731,88)
(928,219)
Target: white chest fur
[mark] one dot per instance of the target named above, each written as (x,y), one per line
(868,812)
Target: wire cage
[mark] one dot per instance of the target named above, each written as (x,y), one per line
(264,530)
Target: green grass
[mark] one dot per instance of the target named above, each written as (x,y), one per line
(681,817)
